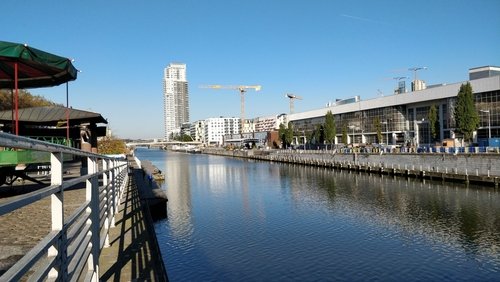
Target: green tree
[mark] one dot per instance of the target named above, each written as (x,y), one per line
(182,138)
(289,134)
(378,127)
(281,134)
(433,121)
(344,134)
(286,134)
(329,128)
(319,134)
(466,116)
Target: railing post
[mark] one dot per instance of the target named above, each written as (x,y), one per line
(108,198)
(57,218)
(118,185)
(114,192)
(92,195)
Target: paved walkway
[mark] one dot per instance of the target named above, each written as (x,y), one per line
(133,254)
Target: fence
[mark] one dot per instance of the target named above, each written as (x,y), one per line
(71,250)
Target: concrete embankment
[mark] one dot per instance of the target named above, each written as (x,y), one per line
(152,194)
(483,169)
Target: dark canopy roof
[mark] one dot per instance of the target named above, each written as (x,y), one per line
(51,115)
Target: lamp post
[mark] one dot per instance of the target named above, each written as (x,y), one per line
(489,122)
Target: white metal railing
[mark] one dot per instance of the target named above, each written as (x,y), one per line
(71,250)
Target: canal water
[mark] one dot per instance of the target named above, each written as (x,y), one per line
(241,220)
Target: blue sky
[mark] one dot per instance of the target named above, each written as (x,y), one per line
(321,50)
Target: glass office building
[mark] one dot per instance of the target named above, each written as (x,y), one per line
(404,118)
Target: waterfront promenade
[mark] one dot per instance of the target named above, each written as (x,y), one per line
(132,254)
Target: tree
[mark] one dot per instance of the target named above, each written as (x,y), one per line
(111,145)
(344,134)
(289,133)
(466,116)
(319,134)
(329,128)
(182,137)
(286,134)
(281,134)
(25,100)
(433,121)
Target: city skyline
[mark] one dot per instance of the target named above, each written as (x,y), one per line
(321,51)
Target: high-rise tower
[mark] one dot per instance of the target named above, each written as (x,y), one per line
(175,98)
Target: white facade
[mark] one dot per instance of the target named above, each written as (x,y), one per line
(176,98)
(216,128)
(197,131)
(249,126)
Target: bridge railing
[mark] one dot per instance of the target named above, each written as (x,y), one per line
(70,251)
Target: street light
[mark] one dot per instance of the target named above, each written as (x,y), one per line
(489,122)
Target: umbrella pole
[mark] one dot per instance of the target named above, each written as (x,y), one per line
(67,116)
(16,106)
(12,117)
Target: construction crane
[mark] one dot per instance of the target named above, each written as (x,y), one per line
(414,70)
(242,89)
(292,97)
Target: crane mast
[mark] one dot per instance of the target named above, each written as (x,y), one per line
(242,89)
(292,97)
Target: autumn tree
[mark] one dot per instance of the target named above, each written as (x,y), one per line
(111,146)
(25,100)
(465,114)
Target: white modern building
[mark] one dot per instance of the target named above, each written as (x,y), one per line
(175,98)
(197,131)
(216,128)
(404,117)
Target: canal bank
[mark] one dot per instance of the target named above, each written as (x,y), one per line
(482,169)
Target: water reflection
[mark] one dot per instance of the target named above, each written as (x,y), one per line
(453,215)
(231,219)
(177,186)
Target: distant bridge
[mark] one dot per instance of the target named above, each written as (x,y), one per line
(161,143)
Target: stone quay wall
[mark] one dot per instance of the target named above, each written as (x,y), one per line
(481,168)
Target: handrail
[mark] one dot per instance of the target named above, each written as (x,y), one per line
(70,251)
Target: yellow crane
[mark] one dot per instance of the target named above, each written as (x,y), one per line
(242,89)
(292,97)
